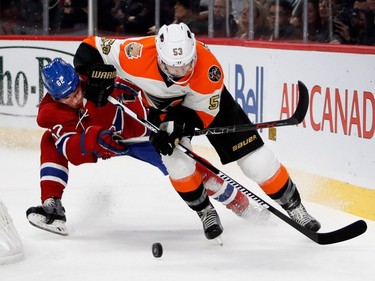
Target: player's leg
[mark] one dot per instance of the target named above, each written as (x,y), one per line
(257,162)
(187,181)
(232,198)
(50,215)
(264,168)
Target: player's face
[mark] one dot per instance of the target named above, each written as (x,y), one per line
(75,99)
(179,71)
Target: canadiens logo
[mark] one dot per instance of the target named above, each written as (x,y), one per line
(214,73)
(133,50)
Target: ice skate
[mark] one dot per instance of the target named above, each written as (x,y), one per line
(211,223)
(255,214)
(302,217)
(50,216)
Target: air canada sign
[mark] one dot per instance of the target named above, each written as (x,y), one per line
(21,86)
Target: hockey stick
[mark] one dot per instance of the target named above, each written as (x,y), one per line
(297,117)
(348,232)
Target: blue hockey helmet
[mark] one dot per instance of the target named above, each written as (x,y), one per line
(60,78)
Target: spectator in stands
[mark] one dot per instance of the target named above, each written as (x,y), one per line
(138,17)
(166,15)
(342,22)
(314,24)
(361,32)
(333,26)
(203,5)
(54,15)
(74,15)
(220,19)
(108,20)
(261,30)
(364,9)
(279,16)
(8,17)
(237,7)
(184,12)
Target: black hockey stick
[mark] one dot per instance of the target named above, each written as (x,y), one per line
(297,117)
(348,232)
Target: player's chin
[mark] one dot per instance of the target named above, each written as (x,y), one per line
(78,105)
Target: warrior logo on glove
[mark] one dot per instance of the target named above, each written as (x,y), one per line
(100,83)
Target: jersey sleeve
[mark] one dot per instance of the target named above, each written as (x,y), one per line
(62,122)
(86,55)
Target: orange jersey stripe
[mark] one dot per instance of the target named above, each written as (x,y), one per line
(206,118)
(276,182)
(91,40)
(187,184)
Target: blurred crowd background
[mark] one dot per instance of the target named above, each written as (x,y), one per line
(304,21)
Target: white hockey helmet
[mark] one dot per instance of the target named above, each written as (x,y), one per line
(176,49)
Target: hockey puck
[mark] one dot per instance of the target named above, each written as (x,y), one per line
(157,250)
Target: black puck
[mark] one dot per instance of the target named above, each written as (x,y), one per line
(157,250)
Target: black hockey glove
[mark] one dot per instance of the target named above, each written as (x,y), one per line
(168,137)
(100,83)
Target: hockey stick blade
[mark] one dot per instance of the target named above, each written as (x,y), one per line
(324,238)
(297,117)
(348,232)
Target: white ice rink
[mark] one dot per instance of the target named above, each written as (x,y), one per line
(118,208)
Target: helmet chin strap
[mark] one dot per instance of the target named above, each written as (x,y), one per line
(170,77)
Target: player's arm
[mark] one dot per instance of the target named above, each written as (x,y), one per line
(76,142)
(207,86)
(87,146)
(178,121)
(86,56)
(98,77)
(95,142)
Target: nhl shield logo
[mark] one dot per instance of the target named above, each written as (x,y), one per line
(214,73)
(133,50)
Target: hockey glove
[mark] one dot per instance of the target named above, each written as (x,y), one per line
(100,83)
(168,137)
(101,142)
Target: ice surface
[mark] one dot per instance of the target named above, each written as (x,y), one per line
(118,208)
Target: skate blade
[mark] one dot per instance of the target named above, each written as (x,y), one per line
(219,240)
(57,226)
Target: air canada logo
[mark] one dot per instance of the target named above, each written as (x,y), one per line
(133,50)
(214,73)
